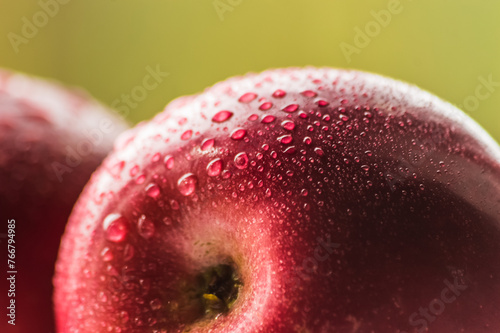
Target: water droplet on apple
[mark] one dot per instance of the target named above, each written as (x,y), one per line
(291,108)
(140,179)
(365,167)
(285,139)
(169,162)
(238,134)
(268,193)
(247,98)
(106,254)
(309,93)
(241,160)
(156,157)
(307,140)
(187,184)
(304,192)
(290,150)
(265,106)
(134,170)
(155,304)
(207,144)
(128,252)
(226,174)
(174,204)
(116,227)
(279,93)
(303,115)
(319,151)
(214,167)
(187,135)
(222,116)
(288,125)
(253,117)
(124,317)
(145,227)
(322,103)
(268,119)
(153,190)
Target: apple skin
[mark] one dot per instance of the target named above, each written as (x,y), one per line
(40,182)
(344,201)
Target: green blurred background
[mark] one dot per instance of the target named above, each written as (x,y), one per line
(449,47)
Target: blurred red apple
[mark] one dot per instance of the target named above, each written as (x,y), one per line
(295,200)
(51,140)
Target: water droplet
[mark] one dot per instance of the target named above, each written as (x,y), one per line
(106,254)
(289,173)
(124,316)
(279,93)
(365,167)
(155,304)
(128,252)
(307,140)
(222,116)
(153,190)
(303,115)
(259,156)
(247,98)
(291,108)
(285,139)
(116,227)
(309,93)
(174,204)
(226,174)
(288,125)
(422,187)
(290,150)
(241,160)
(344,101)
(207,144)
(169,162)
(187,184)
(343,117)
(326,117)
(140,179)
(268,192)
(265,146)
(187,135)
(238,134)
(156,157)
(307,207)
(265,106)
(214,167)
(322,103)
(368,153)
(274,154)
(319,151)
(134,170)
(182,121)
(145,227)
(304,192)
(253,117)
(268,119)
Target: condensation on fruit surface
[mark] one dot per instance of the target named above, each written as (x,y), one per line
(268,163)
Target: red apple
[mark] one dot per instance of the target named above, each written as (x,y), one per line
(295,200)
(51,140)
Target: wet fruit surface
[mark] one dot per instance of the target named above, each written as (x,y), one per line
(51,139)
(342,201)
